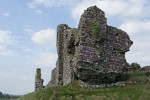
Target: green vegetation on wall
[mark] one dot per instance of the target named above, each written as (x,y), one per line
(94,27)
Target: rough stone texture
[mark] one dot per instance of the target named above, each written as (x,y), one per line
(145,68)
(147,73)
(53,77)
(94,53)
(134,67)
(38,80)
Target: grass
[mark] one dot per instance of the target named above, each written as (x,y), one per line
(72,91)
(94,26)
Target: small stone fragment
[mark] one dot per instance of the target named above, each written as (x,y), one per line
(38,80)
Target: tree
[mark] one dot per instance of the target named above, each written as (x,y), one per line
(1,94)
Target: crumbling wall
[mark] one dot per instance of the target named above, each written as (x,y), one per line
(101,54)
(94,53)
(69,51)
(63,73)
(38,80)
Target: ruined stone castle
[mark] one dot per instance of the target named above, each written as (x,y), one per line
(93,53)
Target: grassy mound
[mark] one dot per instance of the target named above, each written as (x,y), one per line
(138,88)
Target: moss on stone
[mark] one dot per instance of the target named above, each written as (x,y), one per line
(94,27)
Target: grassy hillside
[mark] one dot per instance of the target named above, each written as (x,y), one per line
(137,89)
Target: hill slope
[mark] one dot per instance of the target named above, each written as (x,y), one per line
(133,91)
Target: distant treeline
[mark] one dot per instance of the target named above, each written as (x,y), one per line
(8,96)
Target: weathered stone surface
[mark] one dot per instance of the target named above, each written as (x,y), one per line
(145,68)
(38,80)
(53,77)
(147,73)
(134,67)
(94,53)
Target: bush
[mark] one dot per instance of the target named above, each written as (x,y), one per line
(123,77)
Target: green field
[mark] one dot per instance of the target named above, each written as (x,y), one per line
(138,89)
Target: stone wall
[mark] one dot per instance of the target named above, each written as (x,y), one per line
(38,80)
(145,68)
(93,53)
(134,67)
(69,51)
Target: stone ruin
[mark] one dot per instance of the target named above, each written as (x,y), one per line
(145,68)
(134,67)
(38,80)
(93,53)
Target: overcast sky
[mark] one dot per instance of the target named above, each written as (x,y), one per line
(28,35)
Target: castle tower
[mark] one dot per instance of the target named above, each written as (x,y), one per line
(38,80)
(93,53)
(101,51)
